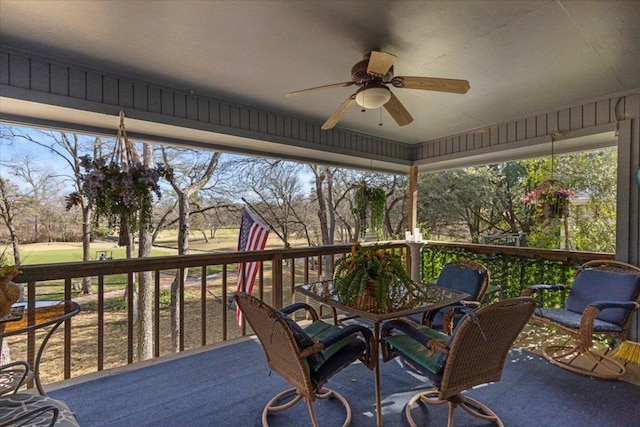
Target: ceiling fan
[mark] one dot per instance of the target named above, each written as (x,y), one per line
(372,75)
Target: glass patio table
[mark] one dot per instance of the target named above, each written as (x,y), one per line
(432,298)
(42,314)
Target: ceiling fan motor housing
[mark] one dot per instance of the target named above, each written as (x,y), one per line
(360,76)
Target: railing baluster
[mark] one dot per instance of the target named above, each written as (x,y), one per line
(100,309)
(67,332)
(223,306)
(181,310)
(156,313)
(130,343)
(203,305)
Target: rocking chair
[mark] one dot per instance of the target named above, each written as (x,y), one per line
(603,299)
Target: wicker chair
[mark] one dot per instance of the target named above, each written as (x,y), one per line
(602,300)
(306,357)
(462,275)
(474,354)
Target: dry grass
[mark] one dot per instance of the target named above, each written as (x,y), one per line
(84,348)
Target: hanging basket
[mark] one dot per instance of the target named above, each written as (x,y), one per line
(120,190)
(551,199)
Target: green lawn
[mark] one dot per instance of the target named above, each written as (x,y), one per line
(75,255)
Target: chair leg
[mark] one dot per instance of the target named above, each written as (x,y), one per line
(471,406)
(577,359)
(325,393)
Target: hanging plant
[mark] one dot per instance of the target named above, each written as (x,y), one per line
(122,196)
(551,199)
(369,208)
(120,191)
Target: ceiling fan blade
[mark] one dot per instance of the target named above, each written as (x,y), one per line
(313,89)
(397,111)
(337,115)
(431,83)
(380,63)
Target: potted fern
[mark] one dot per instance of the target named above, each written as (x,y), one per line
(372,278)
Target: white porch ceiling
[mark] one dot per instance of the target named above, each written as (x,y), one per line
(520,57)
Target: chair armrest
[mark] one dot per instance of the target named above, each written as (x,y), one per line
(14,376)
(345,332)
(541,287)
(405,328)
(591,312)
(627,305)
(301,306)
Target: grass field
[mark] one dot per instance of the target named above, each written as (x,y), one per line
(225,240)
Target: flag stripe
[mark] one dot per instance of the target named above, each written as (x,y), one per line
(253,237)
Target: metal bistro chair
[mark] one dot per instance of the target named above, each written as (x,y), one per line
(474,354)
(602,300)
(306,357)
(26,409)
(462,275)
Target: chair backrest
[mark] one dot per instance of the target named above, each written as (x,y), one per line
(605,281)
(466,276)
(278,342)
(479,346)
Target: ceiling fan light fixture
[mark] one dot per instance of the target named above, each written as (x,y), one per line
(373,97)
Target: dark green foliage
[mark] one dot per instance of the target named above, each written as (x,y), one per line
(510,272)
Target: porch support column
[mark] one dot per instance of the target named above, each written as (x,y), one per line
(413,197)
(628,208)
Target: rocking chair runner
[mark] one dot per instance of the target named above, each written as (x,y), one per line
(474,354)
(306,357)
(603,299)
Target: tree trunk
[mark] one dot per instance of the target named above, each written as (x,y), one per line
(145,285)
(7,215)
(183,249)
(86,245)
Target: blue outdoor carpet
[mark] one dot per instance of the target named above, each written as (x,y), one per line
(230,385)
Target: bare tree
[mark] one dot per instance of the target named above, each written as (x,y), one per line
(145,282)
(69,148)
(190,174)
(8,207)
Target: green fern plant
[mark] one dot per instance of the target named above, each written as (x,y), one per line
(372,266)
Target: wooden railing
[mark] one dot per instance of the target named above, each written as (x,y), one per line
(202,300)
(204,317)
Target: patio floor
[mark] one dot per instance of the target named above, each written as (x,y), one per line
(228,385)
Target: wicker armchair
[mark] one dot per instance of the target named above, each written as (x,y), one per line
(602,300)
(462,275)
(306,357)
(474,354)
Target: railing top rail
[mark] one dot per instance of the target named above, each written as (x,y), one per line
(548,254)
(43,272)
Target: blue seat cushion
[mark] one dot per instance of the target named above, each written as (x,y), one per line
(592,285)
(461,279)
(571,320)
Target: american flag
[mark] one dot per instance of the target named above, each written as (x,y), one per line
(253,237)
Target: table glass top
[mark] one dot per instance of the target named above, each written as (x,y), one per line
(429,298)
